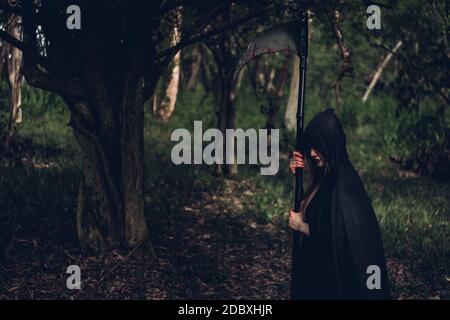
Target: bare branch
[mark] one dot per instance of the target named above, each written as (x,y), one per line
(442,94)
(46,81)
(346,68)
(5,36)
(11,40)
(379,70)
(171,51)
(166,55)
(206,17)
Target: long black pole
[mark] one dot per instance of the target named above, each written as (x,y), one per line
(298,192)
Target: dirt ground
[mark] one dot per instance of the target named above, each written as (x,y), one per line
(203,251)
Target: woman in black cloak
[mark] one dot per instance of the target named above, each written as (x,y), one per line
(341,253)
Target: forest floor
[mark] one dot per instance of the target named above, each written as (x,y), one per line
(213,238)
(207,246)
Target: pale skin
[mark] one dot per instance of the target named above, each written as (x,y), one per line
(296,219)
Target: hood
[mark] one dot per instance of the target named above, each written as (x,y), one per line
(325,134)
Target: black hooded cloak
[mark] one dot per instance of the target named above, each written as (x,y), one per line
(344,241)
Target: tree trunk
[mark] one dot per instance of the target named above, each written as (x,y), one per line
(221,116)
(277,94)
(109,129)
(227,65)
(338,97)
(195,68)
(168,103)
(132,162)
(110,211)
(205,72)
(12,58)
(380,69)
(15,76)
(225,88)
(230,123)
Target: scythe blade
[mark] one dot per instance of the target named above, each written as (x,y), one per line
(278,39)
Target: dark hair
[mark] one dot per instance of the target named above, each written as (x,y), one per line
(318,174)
(325,134)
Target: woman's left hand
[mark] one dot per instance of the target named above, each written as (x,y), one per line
(296,222)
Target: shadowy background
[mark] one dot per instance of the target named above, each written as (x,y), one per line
(221,232)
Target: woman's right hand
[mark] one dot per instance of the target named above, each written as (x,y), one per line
(296,161)
(297,222)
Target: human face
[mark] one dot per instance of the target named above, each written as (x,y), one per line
(318,159)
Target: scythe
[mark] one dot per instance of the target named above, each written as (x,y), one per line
(291,38)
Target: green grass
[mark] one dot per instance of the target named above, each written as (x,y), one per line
(39,201)
(414,212)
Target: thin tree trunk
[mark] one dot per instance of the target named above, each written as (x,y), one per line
(379,71)
(278,91)
(261,74)
(205,74)
(15,77)
(13,61)
(338,97)
(226,88)
(346,67)
(221,116)
(270,83)
(168,103)
(228,63)
(154,103)
(195,68)
(230,123)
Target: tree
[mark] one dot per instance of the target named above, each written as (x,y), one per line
(195,67)
(383,63)
(167,106)
(11,62)
(421,86)
(276,92)
(104,71)
(224,52)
